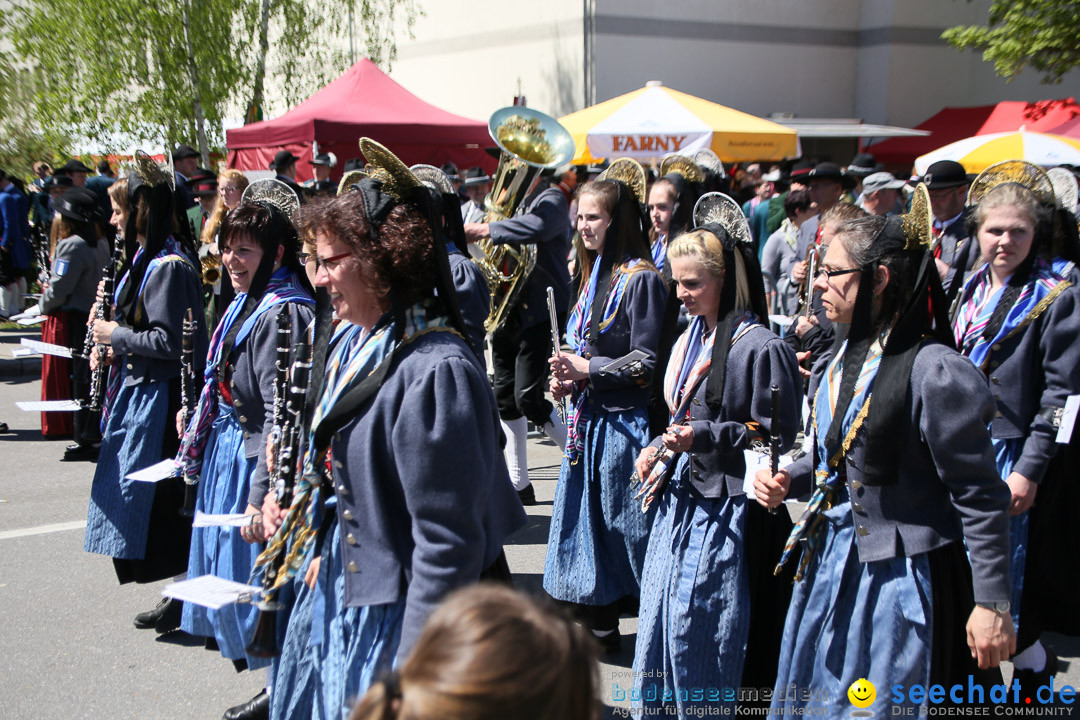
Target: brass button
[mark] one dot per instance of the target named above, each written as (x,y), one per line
(338,464)
(862,530)
(994,363)
(856,485)
(697,401)
(347,514)
(243,419)
(856,507)
(246,435)
(995,347)
(130,366)
(353,567)
(351,539)
(341,487)
(995,381)
(997,414)
(237,403)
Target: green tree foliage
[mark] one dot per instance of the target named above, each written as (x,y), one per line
(103,71)
(1019,33)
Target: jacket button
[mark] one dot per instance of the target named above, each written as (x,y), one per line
(347,514)
(995,381)
(338,464)
(856,507)
(995,347)
(997,414)
(237,403)
(243,420)
(697,402)
(246,435)
(130,366)
(351,539)
(994,363)
(862,530)
(856,485)
(337,437)
(353,567)
(341,488)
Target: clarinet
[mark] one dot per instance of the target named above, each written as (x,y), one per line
(41,247)
(187,404)
(264,639)
(281,394)
(99,378)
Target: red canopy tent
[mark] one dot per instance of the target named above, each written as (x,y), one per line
(956,123)
(362,102)
(1069,129)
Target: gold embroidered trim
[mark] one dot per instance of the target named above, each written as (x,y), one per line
(1032,316)
(850,437)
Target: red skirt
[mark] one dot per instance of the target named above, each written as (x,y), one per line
(56,375)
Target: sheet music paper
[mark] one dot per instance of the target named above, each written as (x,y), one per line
(210,591)
(157,472)
(37,319)
(1068,419)
(227,520)
(23,352)
(46,348)
(782,320)
(48,405)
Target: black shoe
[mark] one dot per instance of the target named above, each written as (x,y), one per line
(3,428)
(257,708)
(1031,680)
(76,452)
(527,495)
(164,617)
(610,644)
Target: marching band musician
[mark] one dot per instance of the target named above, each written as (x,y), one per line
(407,422)
(1017,321)
(694,628)
(138,524)
(225,441)
(521,345)
(596,544)
(903,478)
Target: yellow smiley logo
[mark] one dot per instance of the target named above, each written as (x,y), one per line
(862,693)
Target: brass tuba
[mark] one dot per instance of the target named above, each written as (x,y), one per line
(531,142)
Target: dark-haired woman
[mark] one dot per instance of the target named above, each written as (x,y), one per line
(696,604)
(136,523)
(226,440)
(66,301)
(1017,321)
(902,473)
(407,422)
(597,540)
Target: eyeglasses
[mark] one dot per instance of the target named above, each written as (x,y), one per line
(328,263)
(837,273)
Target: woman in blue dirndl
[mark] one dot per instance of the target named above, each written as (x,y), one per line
(596,545)
(404,436)
(138,524)
(697,611)
(902,473)
(224,444)
(1017,321)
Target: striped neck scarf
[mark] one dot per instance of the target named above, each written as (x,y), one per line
(691,360)
(979,301)
(284,287)
(577,336)
(827,475)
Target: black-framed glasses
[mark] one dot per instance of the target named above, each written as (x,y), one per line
(837,273)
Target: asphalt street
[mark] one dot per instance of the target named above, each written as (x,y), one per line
(69,649)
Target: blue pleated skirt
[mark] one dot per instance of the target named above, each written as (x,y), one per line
(294,673)
(223,488)
(695,601)
(118,521)
(598,537)
(850,620)
(351,646)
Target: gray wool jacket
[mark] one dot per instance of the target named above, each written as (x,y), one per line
(947,487)
(76,270)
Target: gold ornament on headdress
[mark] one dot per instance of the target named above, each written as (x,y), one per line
(1012,171)
(681,165)
(708,160)
(153,174)
(433,177)
(718,208)
(349,179)
(397,180)
(269,191)
(918,222)
(630,173)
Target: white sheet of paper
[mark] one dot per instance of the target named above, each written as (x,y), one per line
(48,405)
(37,319)
(1068,419)
(157,472)
(23,352)
(782,320)
(210,591)
(228,520)
(46,348)
(758,461)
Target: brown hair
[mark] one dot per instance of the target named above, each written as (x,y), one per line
(399,256)
(118,193)
(490,653)
(841,213)
(210,229)
(624,235)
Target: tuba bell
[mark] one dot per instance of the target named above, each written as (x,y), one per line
(530,142)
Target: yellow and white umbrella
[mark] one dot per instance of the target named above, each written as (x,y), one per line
(981,151)
(649,123)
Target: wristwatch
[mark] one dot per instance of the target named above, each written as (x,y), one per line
(1001,608)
